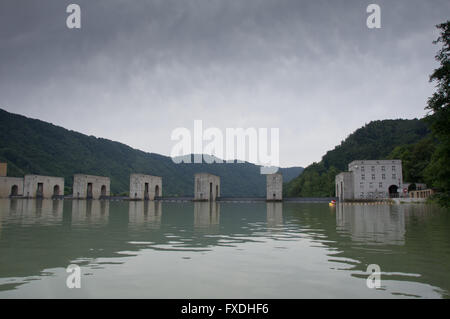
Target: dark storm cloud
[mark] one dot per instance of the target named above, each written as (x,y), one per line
(138,69)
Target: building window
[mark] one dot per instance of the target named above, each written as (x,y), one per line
(380,185)
(363,176)
(394,176)
(362,194)
(373,168)
(383,176)
(373,176)
(371,185)
(362,168)
(393,168)
(383,168)
(361,185)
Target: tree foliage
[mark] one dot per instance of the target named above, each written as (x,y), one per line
(438,170)
(415,159)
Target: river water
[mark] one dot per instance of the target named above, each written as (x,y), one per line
(227,250)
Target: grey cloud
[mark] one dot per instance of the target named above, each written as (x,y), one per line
(311,68)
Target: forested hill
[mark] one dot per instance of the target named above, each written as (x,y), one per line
(402,139)
(32,146)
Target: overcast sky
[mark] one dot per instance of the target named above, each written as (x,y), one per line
(136,70)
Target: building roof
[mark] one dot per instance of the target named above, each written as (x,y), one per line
(45,176)
(375,162)
(95,176)
(205,174)
(146,175)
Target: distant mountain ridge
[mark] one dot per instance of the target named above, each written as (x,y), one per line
(31,146)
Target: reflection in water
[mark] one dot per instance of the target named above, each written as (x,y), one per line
(145,212)
(30,211)
(206,214)
(300,250)
(274,214)
(371,223)
(89,211)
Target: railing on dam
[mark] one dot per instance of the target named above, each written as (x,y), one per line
(309,199)
(219,199)
(241,199)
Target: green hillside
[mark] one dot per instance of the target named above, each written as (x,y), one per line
(32,146)
(408,140)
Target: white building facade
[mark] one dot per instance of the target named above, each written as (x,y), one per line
(370,179)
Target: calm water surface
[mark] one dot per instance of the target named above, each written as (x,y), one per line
(228,250)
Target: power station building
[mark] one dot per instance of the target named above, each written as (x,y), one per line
(145,187)
(206,187)
(370,179)
(37,186)
(90,186)
(274,190)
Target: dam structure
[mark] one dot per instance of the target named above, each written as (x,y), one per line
(142,187)
(274,186)
(37,186)
(90,187)
(145,187)
(206,187)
